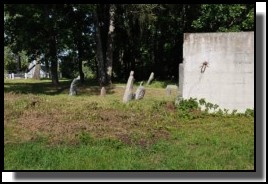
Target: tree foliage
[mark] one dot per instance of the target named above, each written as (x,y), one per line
(110,40)
(15,62)
(225,17)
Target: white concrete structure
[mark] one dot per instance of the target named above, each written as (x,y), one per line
(220,68)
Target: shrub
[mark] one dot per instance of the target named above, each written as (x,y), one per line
(191,109)
(188,104)
(249,112)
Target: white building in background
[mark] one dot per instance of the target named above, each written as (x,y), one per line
(30,72)
(31,69)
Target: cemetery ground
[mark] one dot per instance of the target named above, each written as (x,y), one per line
(46,129)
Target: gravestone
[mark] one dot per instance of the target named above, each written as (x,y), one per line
(169,89)
(128,95)
(150,78)
(140,92)
(73,87)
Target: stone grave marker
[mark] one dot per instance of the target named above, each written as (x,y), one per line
(150,78)
(73,87)
(128,95)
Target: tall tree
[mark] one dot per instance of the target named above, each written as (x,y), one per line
(34,28)
(37,68)
(79,20)
(109,52)
(100,54)
(142,37)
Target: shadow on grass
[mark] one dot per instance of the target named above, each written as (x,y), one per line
(47,88)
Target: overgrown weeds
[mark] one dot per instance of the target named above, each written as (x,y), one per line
(44,131)
(192,108)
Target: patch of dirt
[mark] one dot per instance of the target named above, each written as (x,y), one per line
(56,126)
(145,139)
(125,138)
(170,106)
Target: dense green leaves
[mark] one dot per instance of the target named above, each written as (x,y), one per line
(14,62)
(225,17)
(145,38)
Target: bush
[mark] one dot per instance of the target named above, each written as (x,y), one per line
(191,108)
(188,104)
(249,112)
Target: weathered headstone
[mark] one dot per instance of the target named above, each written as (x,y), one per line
(150,78)
(73,87)
(25,75)
(168,91)
(128,95)
(103,91)
(12,76)
(140,92)
(169,88)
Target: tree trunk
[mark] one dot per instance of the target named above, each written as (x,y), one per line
(18,63)
(109,52)
(47,66)
(37,68)
(100,58)
(52,52)
(97,69)
(54,61)
(80,59)
(80,68)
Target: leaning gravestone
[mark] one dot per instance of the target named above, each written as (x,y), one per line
(73,87)
(128,95)
(140,92)
(150,78)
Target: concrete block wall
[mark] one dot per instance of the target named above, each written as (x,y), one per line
(228,80)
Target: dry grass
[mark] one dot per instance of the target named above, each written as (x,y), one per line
(62,118)
(148,134)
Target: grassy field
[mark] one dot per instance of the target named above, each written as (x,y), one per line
(46,129)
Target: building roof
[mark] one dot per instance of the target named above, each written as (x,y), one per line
(43,68)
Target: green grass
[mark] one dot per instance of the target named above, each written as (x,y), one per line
(45,129)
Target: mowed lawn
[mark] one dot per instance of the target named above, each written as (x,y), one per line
(46,129)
